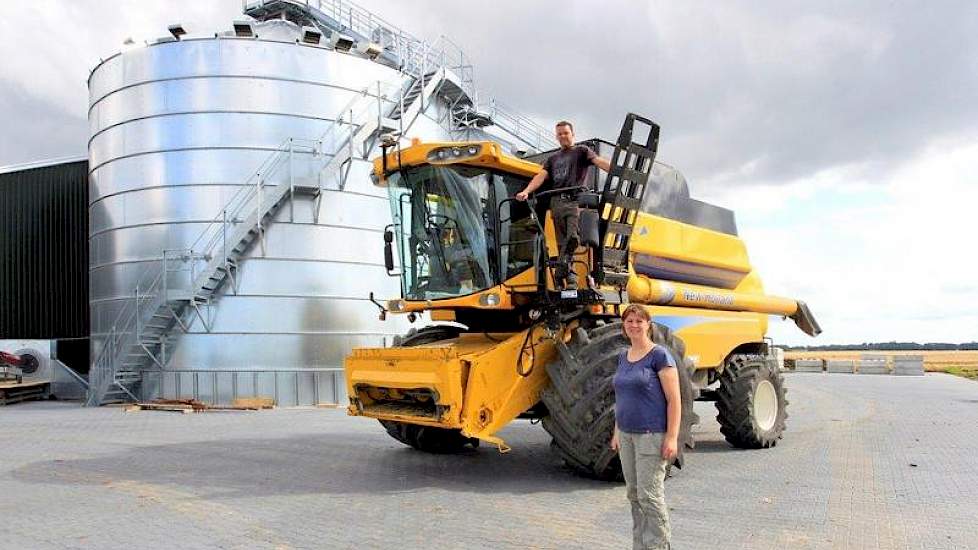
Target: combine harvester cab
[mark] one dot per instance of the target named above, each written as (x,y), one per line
(509,342)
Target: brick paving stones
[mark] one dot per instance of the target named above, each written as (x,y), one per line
(867,462)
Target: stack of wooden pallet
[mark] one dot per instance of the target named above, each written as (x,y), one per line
(14,392)
(187,406)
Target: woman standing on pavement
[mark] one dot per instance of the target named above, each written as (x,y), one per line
(647,415)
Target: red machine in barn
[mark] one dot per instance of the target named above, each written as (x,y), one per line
(13,387)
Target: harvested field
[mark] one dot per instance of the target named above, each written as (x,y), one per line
(961,363)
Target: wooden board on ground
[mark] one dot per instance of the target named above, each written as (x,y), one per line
(185,409)
(189,405)
(173,405)
(28,384)
(253,403)
(15,393)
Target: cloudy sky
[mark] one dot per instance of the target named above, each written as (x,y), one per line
(844,135)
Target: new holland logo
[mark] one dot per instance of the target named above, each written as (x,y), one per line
(715,299)
(667,294)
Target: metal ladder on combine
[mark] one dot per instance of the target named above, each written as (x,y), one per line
(621,198)
(148,326)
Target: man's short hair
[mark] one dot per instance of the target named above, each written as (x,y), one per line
(564,123)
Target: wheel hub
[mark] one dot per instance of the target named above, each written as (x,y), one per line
(765,405)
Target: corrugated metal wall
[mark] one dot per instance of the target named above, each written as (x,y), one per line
(44,252)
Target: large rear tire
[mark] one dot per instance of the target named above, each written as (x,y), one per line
(751,403)
(427,438)
(581,399)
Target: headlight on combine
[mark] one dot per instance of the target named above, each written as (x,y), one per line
(396,305)
(489,300)
(443,154)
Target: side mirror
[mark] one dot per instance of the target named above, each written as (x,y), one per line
(589,200)
(388,250)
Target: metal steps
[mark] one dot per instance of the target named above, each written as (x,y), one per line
(364,131)
(413,92)
(414,57)
(468,116)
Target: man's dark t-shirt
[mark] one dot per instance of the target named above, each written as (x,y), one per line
(567,167)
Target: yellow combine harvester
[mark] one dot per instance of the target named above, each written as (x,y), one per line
(510,343)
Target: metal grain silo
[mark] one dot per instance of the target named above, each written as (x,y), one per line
(271,124)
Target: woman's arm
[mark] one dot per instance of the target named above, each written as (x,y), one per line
(615,444)
(669,379)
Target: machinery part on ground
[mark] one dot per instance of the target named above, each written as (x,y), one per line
(29,362)
(10,367)
(22,363)
(10,359)
(24,375)
(428,438)
(751,403)
(582,404)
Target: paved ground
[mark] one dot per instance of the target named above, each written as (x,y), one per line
(869,462)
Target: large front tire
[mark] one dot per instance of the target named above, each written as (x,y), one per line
(751,403)
(581,399)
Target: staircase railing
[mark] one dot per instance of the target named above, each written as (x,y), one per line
(152,290)
(122,335)
(525,128)
(419,57)
(356,115)
(280,168)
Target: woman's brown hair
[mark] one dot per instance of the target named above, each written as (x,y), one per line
(637,310)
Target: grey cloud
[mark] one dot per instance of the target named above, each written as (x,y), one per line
(745,91)
(35,129)
(785,89)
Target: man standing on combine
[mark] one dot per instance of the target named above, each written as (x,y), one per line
(564,173)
